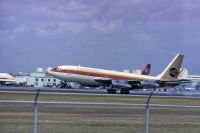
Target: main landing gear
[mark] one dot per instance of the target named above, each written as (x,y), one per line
(111,91)
(124,91)
(65,84)
(114,91)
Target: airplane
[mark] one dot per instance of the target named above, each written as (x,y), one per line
(6,78)
(114,80)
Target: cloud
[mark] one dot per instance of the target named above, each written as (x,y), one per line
(107,26)
(76,29)
(55,18)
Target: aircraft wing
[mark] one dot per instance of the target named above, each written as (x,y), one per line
(140,84)
(164,83)
(105,81)
(131,84)
(7,80)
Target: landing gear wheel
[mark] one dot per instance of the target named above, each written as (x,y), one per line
(111,91)
(65,84)
(124,91)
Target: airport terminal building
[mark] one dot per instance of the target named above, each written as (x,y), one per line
(37,79)
(41,79)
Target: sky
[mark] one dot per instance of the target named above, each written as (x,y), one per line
(108,34)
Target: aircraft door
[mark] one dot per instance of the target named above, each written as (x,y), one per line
(106,76)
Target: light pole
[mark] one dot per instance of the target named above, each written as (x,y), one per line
(146,116)
(35,106)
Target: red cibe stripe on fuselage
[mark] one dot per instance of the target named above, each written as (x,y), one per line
(96,74)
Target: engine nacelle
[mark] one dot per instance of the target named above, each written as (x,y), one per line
(120,84)
(149,84)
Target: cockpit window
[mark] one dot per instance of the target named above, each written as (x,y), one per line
(56,68)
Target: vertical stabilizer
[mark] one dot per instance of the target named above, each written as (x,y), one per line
(173,69)
(146,70)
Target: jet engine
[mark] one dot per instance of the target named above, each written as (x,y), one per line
(120,84)
(148,84)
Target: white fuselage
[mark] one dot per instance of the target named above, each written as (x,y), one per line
(88,76)
(5,78)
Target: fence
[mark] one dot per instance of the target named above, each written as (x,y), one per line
(146,107)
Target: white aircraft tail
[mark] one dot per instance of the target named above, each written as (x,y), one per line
(173,69)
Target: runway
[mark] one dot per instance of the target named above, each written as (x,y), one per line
(98,103)
(96,92)
(77,110)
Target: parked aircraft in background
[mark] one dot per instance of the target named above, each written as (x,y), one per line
(114,80)
(6,78)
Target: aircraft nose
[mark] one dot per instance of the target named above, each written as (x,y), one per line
(52,71)
(49,71)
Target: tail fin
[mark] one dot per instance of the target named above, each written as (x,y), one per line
(173,69)
(146,70)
